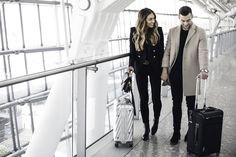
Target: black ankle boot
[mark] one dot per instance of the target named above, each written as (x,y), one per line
(146,133)
(175,138)
(155,127)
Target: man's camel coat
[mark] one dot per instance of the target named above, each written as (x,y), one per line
(195,55)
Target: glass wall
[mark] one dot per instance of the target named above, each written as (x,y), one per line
(33,39)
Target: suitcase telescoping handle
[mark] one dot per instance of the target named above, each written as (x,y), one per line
(198,85)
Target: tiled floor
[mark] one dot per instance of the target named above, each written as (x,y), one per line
(221,93)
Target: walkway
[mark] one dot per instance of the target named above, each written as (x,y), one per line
(221,93)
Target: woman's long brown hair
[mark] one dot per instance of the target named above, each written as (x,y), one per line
(139,37)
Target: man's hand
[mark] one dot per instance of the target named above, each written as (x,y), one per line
(164,74)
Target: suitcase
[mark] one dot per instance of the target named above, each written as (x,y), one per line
(205,129)
(124,122)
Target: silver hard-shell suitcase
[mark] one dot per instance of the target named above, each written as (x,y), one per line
(124,122)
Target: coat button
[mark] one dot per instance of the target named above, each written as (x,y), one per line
(138,56)
(154,56)
(154,50)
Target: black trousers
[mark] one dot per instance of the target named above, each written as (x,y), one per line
(142,83)
(177,98)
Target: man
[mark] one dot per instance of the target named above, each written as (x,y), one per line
(185,58)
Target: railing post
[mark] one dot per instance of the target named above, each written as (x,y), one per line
(81,111)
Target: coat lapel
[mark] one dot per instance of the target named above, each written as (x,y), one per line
(177,37)
(192,30)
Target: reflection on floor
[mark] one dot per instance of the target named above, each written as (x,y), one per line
(221,93)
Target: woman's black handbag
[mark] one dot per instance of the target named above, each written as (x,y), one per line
(127,84)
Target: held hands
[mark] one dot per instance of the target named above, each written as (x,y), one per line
(165,77)
(203,74)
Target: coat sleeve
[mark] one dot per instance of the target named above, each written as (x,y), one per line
(132,48)
(166,57)
(203,50)
(161,51)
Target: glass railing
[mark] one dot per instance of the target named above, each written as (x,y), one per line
(21,116)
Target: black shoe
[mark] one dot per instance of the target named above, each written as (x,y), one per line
(146,133)
(175,138)
(154,127)
(145,136)
(186,137)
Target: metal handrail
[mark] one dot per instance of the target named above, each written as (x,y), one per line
(40,49)
(220,33)
(22,100)
(71,67)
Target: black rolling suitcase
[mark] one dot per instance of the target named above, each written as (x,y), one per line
(205,128)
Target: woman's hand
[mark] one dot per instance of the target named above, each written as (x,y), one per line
(130,71)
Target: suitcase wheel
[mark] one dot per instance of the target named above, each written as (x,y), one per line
(116,144)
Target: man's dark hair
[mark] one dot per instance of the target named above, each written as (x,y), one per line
(185,10)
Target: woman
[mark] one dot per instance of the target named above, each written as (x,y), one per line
(146,52)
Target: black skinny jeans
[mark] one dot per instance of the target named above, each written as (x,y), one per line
(177,98)
(142,83)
